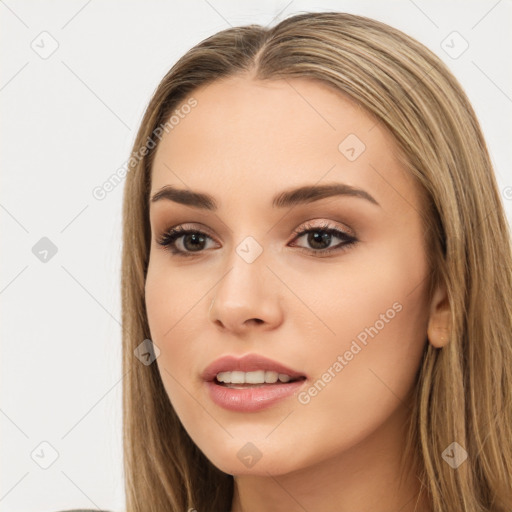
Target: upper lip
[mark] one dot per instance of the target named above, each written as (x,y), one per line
(247,363)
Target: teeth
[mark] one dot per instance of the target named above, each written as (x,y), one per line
(237,378)
(256,377)
(252,377)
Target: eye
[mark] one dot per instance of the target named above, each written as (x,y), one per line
(193,241)
(181,241)
(320,238)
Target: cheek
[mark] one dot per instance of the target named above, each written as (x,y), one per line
(175,329)
(159,303)
(171,296)
(172,304)
(163,310)
(362,381)
(379,317)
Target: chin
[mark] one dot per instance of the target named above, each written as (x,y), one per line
(258,458)
(263,468)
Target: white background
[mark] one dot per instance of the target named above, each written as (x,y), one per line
(67,124)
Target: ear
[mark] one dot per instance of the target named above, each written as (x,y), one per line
(439,324)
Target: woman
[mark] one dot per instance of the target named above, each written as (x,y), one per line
(316,281)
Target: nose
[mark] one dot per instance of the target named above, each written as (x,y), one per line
(248,296)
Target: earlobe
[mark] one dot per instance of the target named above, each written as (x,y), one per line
(439,325)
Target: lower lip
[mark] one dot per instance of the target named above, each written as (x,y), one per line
(251,399)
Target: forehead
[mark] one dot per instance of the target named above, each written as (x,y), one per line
(256,137)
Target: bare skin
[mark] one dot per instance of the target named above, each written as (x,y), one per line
(245,141)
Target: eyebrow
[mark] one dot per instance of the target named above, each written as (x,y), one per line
(287,198)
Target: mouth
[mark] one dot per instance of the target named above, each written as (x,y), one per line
(250,383)
(251,398)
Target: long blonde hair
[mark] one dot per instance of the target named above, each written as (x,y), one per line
(464,390)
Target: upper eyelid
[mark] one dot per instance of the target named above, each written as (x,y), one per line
(322,224)
(326,225)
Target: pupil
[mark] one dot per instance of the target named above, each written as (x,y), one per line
(314,239)
(197,240)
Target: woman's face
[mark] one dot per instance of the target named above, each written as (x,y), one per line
(349,317)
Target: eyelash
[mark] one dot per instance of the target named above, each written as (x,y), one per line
(169,238)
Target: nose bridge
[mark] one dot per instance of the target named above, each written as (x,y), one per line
(246,291)
(247,269)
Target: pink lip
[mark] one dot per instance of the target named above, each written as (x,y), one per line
(251,399)
(247,363)
(254,398)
